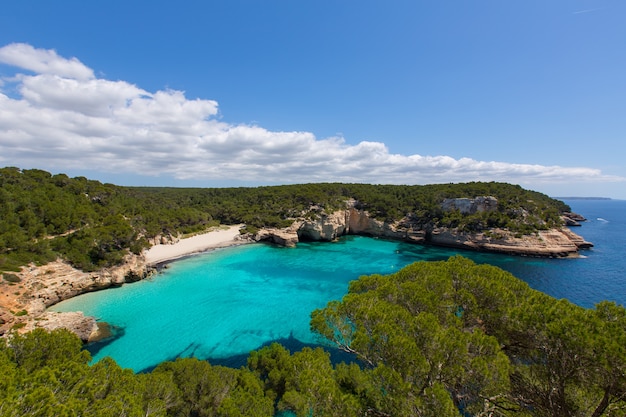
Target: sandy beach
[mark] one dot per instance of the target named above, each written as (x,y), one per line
(195,244)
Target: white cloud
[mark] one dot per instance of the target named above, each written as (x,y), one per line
(43,61)
(64,118)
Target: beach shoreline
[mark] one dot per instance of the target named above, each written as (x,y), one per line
(165,253)
(42,286)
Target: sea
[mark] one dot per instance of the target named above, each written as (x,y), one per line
(222,304)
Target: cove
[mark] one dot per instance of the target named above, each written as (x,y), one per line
(223,304)
(227,302)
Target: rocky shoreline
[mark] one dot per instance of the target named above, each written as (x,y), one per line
(556,242)
(24,303)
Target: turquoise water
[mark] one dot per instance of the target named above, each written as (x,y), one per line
(223,304)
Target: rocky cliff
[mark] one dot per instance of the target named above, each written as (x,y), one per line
(321,226)
(24,304)
(555,243)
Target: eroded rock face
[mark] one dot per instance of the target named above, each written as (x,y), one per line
(572,219)
(282,237)
(324,227)
(43,286)
(85,327)
(360,223)
(560,242)
(576,239)
(546,243)
(58,281)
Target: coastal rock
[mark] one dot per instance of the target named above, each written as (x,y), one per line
(282,237)
(569,221)
(328,227)
(43,286)
(415,236)
(325,227)
(558,242)
(572,219)
(545,243)
(58,281)
(85,327)
(360,223)
(164,239)
(576,239)
(574,216)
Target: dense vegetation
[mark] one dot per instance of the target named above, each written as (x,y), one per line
(434,339)
(94,225)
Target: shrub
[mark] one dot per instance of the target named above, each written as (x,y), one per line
(11,278)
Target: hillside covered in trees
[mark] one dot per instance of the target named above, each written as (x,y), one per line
(94,225)
(438,339)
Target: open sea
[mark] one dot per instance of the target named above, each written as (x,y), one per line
(222,304)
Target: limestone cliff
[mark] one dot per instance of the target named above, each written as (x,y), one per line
(545,243)
(43,286)
(283,237)
(322,226)
(85,327)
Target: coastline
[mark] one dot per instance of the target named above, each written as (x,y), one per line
(164,253)
(43,286)
(23,306)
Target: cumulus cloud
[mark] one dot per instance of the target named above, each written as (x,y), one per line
(44,61)
(63,117)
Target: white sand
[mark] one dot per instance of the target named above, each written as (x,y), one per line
(195,244)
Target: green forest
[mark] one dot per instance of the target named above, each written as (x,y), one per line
(447,338)
(94,225)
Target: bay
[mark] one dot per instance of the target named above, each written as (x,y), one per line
(225,303)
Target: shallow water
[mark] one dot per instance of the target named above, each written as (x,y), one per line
(225,303)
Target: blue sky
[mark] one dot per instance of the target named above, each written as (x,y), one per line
(216,93)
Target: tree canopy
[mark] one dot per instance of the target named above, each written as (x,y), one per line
(483,337)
